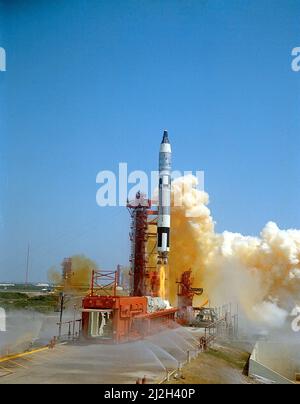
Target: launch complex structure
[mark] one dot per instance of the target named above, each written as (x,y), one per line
(108,315)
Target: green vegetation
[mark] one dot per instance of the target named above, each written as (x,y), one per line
(234,358)
(22,301)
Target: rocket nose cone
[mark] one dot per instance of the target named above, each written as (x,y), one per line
(165,137)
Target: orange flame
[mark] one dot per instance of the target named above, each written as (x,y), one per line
(162,282)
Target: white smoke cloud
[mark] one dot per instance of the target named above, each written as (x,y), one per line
(261,273)
(269,314)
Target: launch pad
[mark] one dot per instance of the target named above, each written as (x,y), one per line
(107,317)
(117,319)
(109,314)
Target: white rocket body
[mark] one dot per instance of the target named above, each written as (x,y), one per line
(164,207)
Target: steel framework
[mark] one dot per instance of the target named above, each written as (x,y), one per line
(138,237)
(104,283)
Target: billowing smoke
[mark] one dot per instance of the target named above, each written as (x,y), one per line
(77,278)
(261,274)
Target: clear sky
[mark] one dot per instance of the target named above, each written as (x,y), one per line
(90,84)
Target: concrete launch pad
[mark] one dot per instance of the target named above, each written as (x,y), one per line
(99,364)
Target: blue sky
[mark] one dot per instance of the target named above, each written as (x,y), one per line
(90,84)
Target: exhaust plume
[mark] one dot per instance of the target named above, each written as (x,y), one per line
(261,274)
(78,276)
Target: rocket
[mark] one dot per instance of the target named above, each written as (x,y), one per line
(164,207)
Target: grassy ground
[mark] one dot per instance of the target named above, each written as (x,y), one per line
(230,355)
(22,301)
(222,364)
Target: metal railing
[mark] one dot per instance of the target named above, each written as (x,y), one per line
(69,330)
